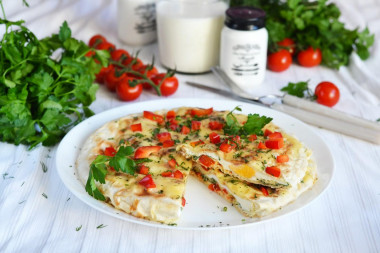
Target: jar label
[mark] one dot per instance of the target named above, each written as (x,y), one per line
(246,59)
(147,15)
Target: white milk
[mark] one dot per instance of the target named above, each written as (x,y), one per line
(189,34)
(136,23)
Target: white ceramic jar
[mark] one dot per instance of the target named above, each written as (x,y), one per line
(244,42)
(136,21)
(189,33)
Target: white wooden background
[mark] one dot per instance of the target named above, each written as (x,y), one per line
(345,219)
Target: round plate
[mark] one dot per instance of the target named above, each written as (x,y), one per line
(204,209)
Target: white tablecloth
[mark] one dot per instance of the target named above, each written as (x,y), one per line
(344,219)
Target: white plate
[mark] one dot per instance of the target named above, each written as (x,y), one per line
(204,209)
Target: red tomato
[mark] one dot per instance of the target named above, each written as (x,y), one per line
(168,86)
(275,135)
(196,143)
(119,55)
(155,117)
(327,94)
(206,160)
(143,170)
(201,112)
(252,137)
(267,132)
(112,78)
(96,40)
(288,44)
(103,73)
(195,125)
(185,130)
(127,92)
(145,151)
(226,148)
(178,174)
(310,57)
(275,143)
(215,125)
(214,187)
(147,182)
(214,138)
(136,127)
(279,61)
(110,151)
(183,201)
(168,143)
(261,146)
(167,174)
(273,170)
(164,136)
(282,158)
(149,73)
(106,46)
(170,114)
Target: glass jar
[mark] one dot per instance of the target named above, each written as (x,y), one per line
(189,33)
(136,21)
(244,42)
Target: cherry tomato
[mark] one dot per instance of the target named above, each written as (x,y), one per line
(106,46)
(310,57)
(169,85)
(96,40)
(327,94)
(103,73)
(146,151)
(279,61)
(288,44)
(155,117)
(149,73)
(147,182)
(119,55)
(127,92)
(206,160)
(273,170)
(112,78)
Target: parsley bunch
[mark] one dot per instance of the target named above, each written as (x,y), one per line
(313,23)
(46,86)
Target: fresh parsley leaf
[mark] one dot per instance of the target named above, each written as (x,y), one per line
(296,89)
(255,124)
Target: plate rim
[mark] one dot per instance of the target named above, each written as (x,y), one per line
(117,113)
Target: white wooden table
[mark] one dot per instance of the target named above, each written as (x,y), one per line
(344,219)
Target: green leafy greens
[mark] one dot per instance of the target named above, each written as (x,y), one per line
(313,23)
(300,89)
(254,124)
(46,86)
(121,161)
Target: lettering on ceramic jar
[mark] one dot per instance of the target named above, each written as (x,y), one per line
(147,15)
(245,62)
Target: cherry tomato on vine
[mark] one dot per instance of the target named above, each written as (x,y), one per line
(126,92)
(310,57)
(112,78)
(119,54)
(96,40)
(106,46)
(288,44)
(327,94)
(149,73)
(169,85)
(279,61)
(102,73)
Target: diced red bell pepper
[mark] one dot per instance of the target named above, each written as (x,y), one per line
(201,112)
(226,148)
(178,174)
(282,158)
(195,125)
(168,144)
(143,170)
(155,117)
(146,151)
(273,170)
(206,160)
(136,127)
(164,136)
(274,143)
(185,130)
(172,163)
(264,191)
(147,182)
(214,138)
(109,151)
(215,125)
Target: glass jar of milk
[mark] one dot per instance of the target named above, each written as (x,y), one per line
(189,33)
(136,21)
